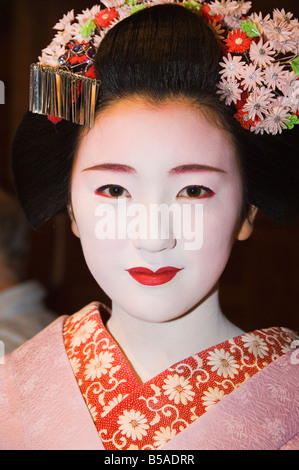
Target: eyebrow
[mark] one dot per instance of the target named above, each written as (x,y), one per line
(112,167)
(194,167)
(120,168)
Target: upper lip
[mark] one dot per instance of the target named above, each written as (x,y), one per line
(147,277)
(142,270)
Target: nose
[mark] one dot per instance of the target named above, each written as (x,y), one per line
(154,233)
(154,245)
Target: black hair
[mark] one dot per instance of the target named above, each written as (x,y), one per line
(14,235)
(42,161)
(159,53)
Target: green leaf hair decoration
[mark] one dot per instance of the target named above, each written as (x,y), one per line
(250,28)
(295,65)
(88,28)
(192,5)
(293,120)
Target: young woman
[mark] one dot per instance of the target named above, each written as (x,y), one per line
(159,187)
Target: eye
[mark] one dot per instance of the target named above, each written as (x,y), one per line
(196,192)
(112,191)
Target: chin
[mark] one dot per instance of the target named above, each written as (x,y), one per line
(153,310)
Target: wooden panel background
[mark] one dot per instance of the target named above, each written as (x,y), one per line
(260,285)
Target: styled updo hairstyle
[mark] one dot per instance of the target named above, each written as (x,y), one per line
(160,53)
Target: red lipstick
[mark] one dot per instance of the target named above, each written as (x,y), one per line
(147,277)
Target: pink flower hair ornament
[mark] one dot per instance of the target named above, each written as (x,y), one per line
(259,73)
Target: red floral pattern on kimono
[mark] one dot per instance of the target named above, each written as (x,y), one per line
(131,415)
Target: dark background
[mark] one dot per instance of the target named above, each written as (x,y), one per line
(260,285)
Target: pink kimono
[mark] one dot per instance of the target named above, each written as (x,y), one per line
(71,388)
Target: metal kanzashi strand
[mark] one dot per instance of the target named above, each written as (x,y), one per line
(63,94)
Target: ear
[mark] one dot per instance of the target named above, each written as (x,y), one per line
(73,220)
(246,226)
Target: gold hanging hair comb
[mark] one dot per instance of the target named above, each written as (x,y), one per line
(63,94)
(259,75)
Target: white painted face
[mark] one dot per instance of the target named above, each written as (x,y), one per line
(138,154)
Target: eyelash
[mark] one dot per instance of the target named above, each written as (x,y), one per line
(109,187)
(119,190)
(208,192)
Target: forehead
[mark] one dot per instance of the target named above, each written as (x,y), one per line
(140,133)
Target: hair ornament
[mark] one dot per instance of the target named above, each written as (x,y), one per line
(259,71)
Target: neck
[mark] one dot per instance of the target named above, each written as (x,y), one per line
(153,347)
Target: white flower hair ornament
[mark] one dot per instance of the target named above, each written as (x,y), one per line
(259,73)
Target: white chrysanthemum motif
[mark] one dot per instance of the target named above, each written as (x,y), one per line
(255,345)
(66,20)
(233,22)
(212,396)
(223,363)
(229,91)
(258,128)
(163,436)
(259,20)
(178,389)
(133,424)
(83,333)
(51,54)
(276,30)
(75,363)
(232,67)
(244,7)
(275,75)
(252,76)
(261,53)
(281,16)
(258,103)
(294,98)
(99,365)
(276,120)
(112,403)
(286,46)
(224,7)
(64,36)
(123,13)
(88,14)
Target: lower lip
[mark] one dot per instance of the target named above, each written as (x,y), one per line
(149,278)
